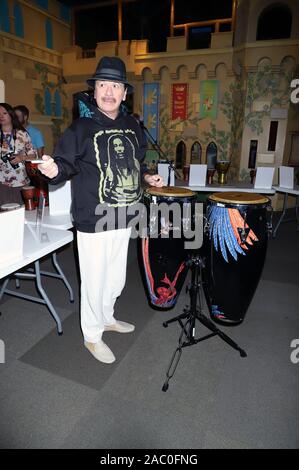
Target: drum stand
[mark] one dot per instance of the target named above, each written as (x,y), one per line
(187,336)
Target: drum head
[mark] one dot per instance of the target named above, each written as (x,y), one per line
(231,197)
(171,191)
(9,206)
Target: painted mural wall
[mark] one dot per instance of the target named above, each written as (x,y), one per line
(195,103)
(32,37)
(245,104)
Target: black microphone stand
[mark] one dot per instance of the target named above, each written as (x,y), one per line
(161,154)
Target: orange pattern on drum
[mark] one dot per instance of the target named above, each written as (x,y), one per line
(237,222)
(166,295)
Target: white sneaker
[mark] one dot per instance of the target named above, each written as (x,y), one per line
(100,351)
(120,327)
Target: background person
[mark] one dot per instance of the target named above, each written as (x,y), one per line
(38,143)
(36,136)
(15,145)
(104,172)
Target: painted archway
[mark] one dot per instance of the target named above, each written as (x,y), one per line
(196,153)
(180,155)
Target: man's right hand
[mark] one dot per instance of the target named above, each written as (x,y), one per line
(49,168)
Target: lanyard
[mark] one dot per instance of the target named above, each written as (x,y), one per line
(8,140)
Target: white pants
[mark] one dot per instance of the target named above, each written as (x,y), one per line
(103,266)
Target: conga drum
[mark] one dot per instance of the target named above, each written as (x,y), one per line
(164,255)
(28,193)
(38,181)
(235,244)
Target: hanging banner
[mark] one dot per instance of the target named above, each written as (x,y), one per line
(179,101)
(151,95)
(209,99)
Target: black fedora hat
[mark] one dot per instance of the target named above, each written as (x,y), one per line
(112,69)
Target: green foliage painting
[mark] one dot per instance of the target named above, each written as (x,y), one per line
(57,123)
(274,87)
(229,142)
(169,136)
(237,105)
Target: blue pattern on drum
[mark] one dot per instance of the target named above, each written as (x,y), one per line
(217,313)
(222,233)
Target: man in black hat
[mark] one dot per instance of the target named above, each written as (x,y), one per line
(102,152)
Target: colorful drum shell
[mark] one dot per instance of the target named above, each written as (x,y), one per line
(233,265)
(164,259)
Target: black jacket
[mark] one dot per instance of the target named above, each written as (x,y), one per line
(103,157)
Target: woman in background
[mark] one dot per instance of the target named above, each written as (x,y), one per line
(15,145)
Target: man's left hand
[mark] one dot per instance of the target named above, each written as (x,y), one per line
(154,180)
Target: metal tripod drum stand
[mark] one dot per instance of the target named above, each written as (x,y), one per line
(190,316)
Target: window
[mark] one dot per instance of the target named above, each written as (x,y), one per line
(42,3)
(49,34)
(180,157)
(211,155)
(196,152)
(4,16)
(272,135)
(57,100)
(275,22)
(199,37)
(48,106)
(65,14)
(18,14)
(294,154)
(252,154)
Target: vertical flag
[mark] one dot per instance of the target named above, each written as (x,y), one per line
(151,108)
(179,101)
(209,98)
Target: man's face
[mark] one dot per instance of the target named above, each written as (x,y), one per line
(118,146)
(109,96)
(22,119)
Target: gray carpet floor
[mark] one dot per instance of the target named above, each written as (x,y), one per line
(53,394)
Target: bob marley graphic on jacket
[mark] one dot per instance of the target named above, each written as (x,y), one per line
(104,158)
(119,168)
